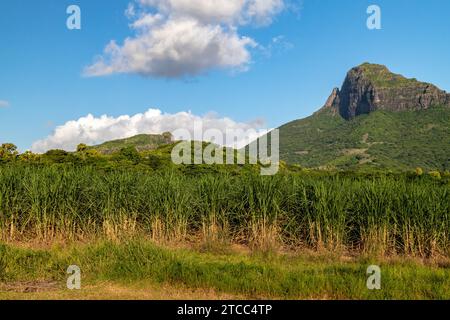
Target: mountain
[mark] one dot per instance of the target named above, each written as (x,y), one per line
(142,142)
(372,87)
(377,119)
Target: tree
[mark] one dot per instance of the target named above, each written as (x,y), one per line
(28,156)
(8,151)
(435,174)
(82,147)
(130,153)
(56,156)
(157,162)
(92,153)
(419,171)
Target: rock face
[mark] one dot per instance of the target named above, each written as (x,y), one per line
(371,87)
(333,99)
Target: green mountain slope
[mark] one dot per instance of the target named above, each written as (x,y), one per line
(384,139)
(142,142)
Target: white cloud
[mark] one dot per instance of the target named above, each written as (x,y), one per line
(175,48)
(147,21)
(279,44)
(209,11)
(236,12)
(4,104)
(178,38)
(94,130)
(263,11)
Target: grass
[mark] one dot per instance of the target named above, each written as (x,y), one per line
(113,270)
(386,214)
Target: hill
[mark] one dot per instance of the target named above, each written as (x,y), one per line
(142,142)
(377,119)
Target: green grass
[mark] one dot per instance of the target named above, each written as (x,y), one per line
(303,276)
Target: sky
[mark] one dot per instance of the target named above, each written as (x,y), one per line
(149,66)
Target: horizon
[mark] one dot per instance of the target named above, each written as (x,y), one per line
(281,64)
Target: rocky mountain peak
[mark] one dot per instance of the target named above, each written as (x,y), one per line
(371,87)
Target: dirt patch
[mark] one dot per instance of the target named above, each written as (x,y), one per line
(29,286)
(365,138)
(131,291)
(354,152)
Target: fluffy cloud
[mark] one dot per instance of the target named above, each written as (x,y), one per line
(176,48)
(236,12)
(4,104)
(94,130)
(178,38)
(210,11)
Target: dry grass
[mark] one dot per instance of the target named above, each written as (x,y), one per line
(140,269)
(49,290)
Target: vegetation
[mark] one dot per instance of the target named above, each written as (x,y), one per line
(380,140)
(139,264)
(303,233)
(374,189)
(383,78)
(388,214)
(142,142)
(8,152)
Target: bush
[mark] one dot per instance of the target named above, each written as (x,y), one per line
(435,174)
(419,171)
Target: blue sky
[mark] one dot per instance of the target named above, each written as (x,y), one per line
(42,85)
